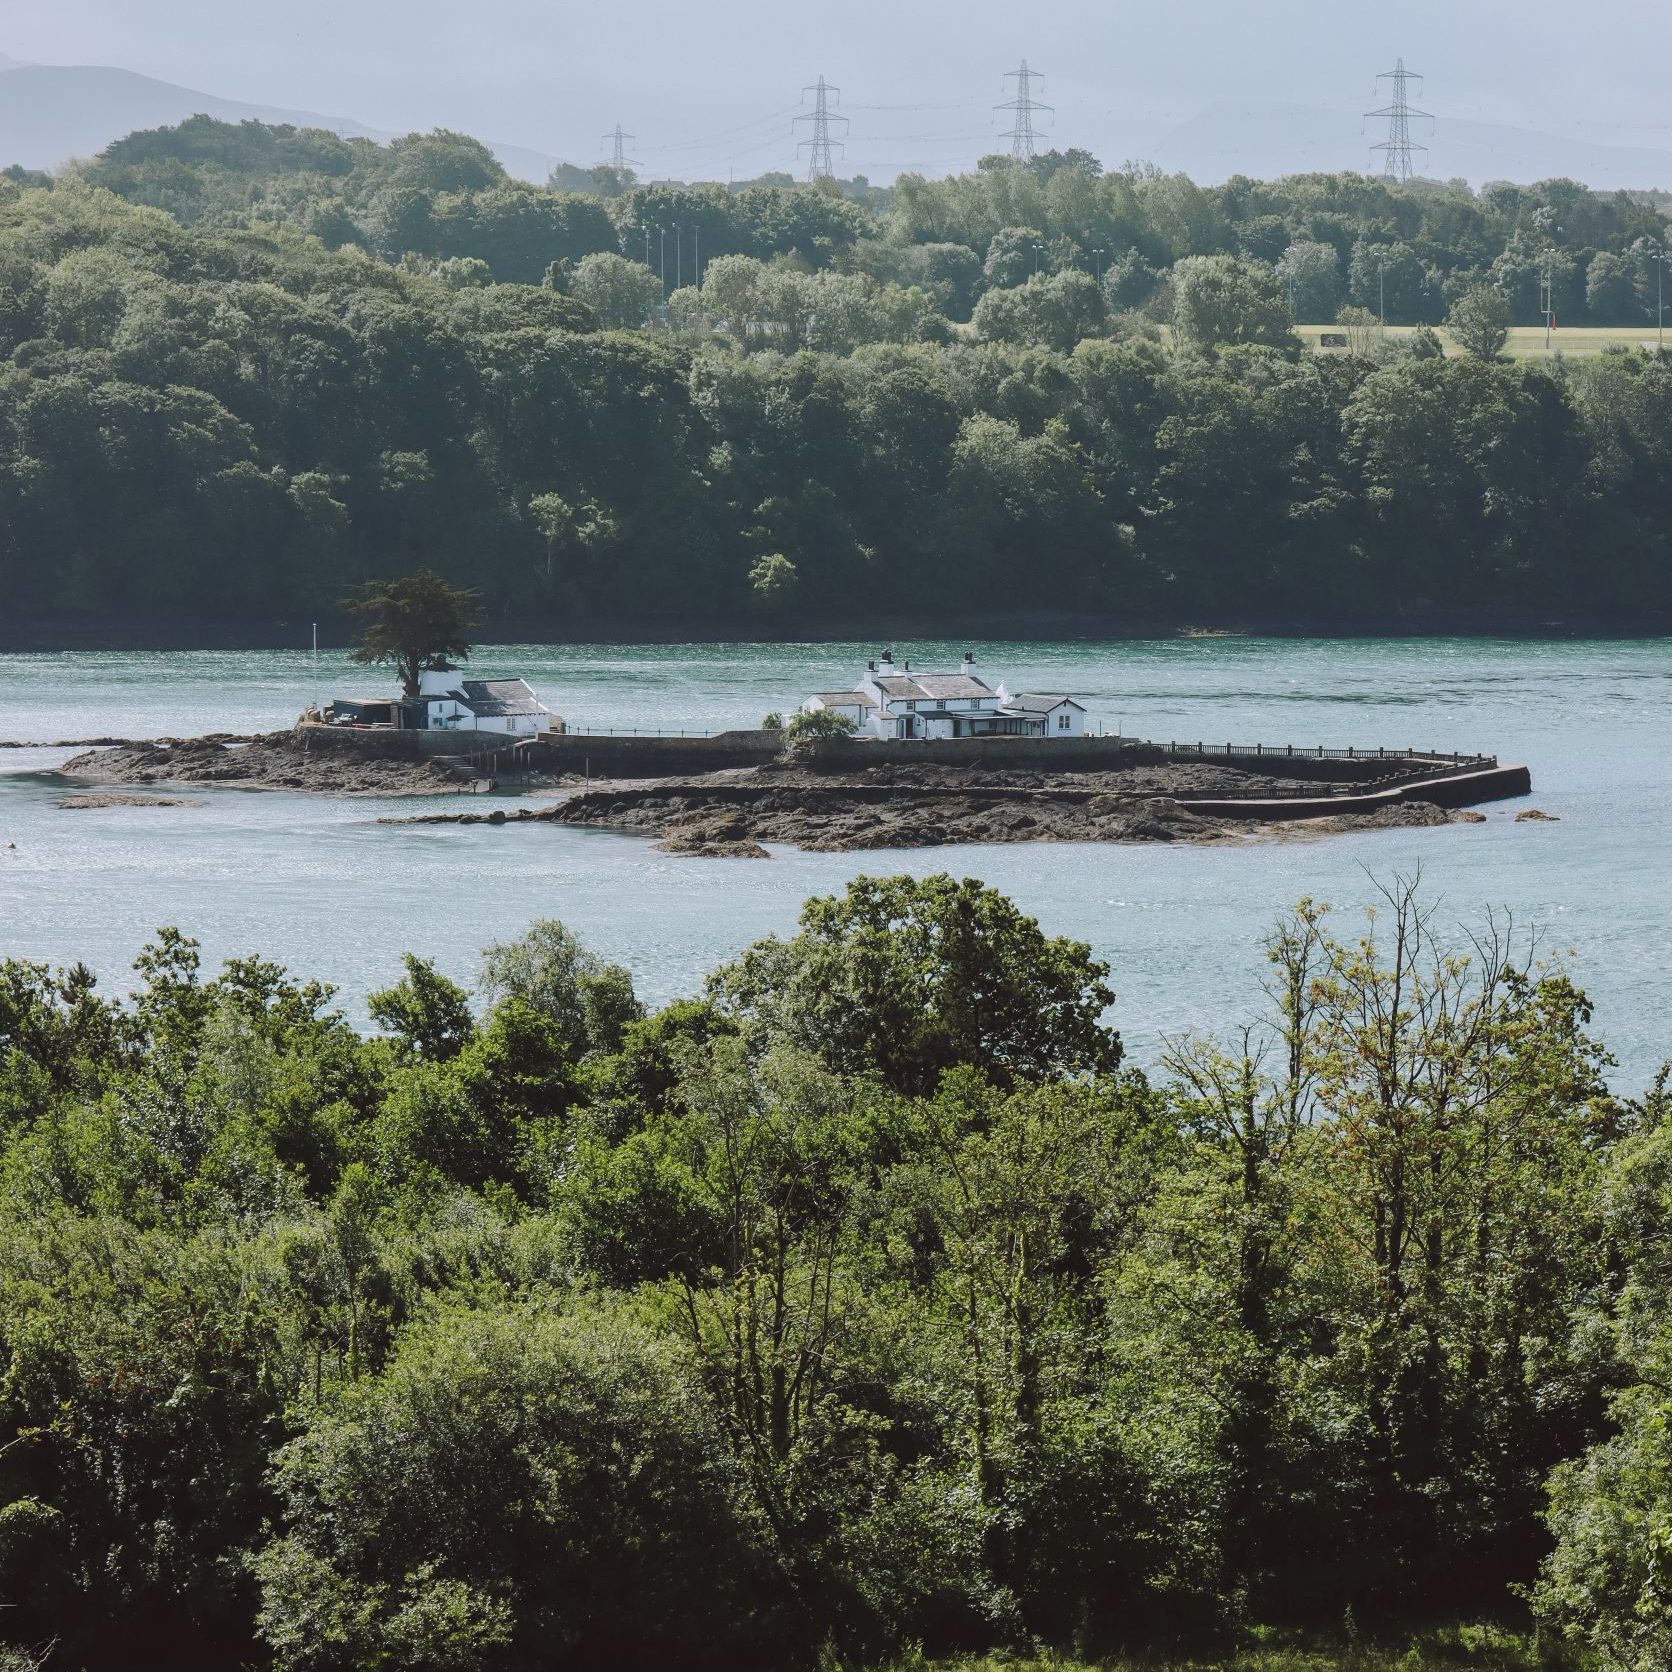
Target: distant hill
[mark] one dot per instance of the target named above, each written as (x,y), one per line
(50,113)
(1268,140)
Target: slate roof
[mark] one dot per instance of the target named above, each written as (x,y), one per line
(846,699)
(916,686)
(500,698)
(1032,703)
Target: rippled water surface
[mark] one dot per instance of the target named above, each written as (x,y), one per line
(317,883)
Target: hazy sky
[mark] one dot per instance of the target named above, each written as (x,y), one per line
(707,87)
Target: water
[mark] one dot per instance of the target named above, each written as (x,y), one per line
(317,883)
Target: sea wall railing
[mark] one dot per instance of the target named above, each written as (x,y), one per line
(1288,751)
(1260,751)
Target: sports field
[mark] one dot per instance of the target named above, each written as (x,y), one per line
(1525,341)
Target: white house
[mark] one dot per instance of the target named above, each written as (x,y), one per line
(895,702)
(447,701)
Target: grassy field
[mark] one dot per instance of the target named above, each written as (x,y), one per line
(1526,341)
(1470,1648)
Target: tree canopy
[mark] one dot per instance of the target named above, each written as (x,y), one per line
(874,1306)
(417,623)
(244,367)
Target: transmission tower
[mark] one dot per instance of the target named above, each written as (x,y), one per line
(1396,149)
(1022,131)
(618,143)
(818,148)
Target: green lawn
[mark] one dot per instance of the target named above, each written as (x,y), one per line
(1527,341)
(1478,1648)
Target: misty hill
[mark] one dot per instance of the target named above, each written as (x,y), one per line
(50,113)
(1267,140)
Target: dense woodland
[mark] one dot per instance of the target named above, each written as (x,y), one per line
(867,1305)
(243,368)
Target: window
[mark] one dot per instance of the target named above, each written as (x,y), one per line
(940,705)
(1063,721)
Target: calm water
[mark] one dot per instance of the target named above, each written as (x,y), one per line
(318,884)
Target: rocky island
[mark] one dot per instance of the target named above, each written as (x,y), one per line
(838,796)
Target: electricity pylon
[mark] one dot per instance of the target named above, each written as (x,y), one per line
(1022,131)
(819,147)
(1396,149)
(618,141)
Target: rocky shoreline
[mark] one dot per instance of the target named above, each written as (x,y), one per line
(737,811)
(277,761)
(734,814)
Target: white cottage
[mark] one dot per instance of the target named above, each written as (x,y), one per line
(447,701)
(892,702)
(452,703)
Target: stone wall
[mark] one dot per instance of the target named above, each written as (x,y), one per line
(1451,789)
(1092,754)
(601,755)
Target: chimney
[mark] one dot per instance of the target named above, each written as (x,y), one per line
(886,667)
(969,663)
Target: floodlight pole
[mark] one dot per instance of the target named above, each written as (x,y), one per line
(1549,294)
(1660,298)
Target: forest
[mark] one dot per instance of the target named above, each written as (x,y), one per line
(868,1308)
(244,369)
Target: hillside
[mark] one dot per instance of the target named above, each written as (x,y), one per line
(50,113)
(243,368)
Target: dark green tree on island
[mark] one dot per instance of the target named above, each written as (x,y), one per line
(415,623)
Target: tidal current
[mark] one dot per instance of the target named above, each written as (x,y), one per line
(318,884)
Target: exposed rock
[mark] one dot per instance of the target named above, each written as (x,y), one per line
(110,798)
(832,818)
(1469,816)
(278,762)
(1533,816)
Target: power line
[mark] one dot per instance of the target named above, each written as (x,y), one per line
(725,133)
(618,148)
(1022,131)
(1396,149)
(818,148)
(962,104)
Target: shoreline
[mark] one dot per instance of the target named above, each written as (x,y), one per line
(48,635)
(846,802)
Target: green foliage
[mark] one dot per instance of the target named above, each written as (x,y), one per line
(516,1485)
(1220,302)
(774,579)
(337,362)
(415,624)
(1049,310)
(869,1304)
(1608,1583)
(1310,274)
(587,1002)
(621,293)
(427,1011)
(813,725)
(1479,322)
(906,979)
